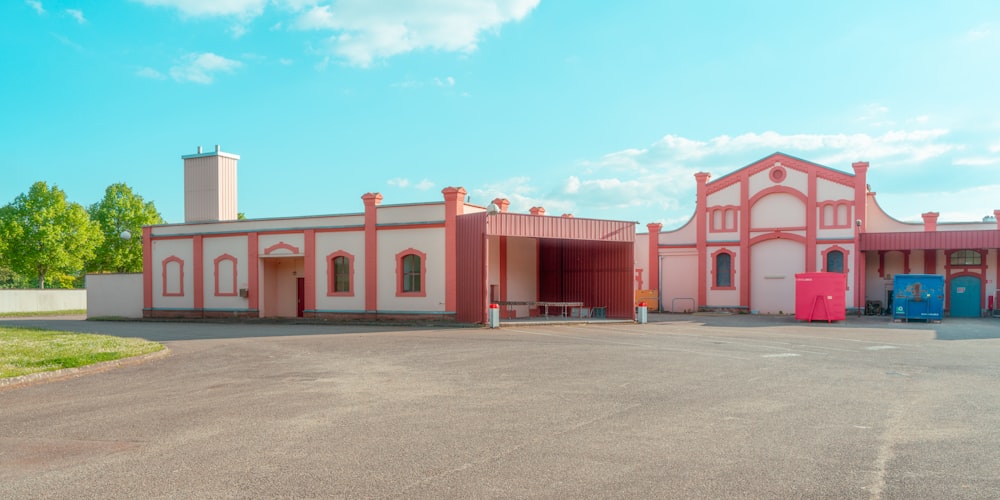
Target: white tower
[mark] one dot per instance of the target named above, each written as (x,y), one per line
(210,186)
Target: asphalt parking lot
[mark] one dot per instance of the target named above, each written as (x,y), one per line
(683,407)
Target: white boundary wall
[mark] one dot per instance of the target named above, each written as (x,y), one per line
(114,295)
(26,301)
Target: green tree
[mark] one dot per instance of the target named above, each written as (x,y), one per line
(119,211)
(42,233)
(10,279)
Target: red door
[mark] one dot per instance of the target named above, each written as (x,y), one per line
(300,291)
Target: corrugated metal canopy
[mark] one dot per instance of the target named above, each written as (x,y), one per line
(566,228)
(929,240)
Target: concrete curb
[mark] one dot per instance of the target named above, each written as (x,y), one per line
(67,373)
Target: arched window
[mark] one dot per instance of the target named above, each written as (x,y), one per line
(340,274)
(722,219)
(225,275)
(411,267)
(723,270)
(966,258)
(173,276)
(411,273)
(835,261)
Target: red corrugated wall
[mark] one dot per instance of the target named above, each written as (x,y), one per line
(597,273)
(469,304)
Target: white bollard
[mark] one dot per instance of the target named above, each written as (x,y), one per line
(642,316)
(494,316)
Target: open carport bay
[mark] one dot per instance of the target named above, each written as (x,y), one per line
(686,406)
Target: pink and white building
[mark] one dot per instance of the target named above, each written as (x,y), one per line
(445,260)
(755,228)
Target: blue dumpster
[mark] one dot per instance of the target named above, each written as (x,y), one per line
(918,296)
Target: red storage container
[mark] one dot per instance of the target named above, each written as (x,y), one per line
(820,296)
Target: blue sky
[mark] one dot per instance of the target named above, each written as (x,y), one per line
(599,109)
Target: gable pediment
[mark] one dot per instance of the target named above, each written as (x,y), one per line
(785,162)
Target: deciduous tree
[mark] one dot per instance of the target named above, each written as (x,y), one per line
(119,211)
(42,233)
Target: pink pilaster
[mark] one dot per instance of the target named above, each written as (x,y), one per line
(811,215)
(199,272)
(860,214)
(310,270)
(654,255)
(147,268)
(744,270)
(253,271)
(372,201)
(701,221)
(453,207)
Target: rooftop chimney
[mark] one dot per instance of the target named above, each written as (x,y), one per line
(210,186)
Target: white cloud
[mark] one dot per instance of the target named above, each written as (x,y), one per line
(369,30)
(67,42)
(873,112)
(901,146)
(37,5)
(76,14)
(961,205)
(995,148)
(434,82)
(658,180)
(400,182)
(246,9)
(285,62)
(981,32)
(201,68)
(365,31)
(238,30)
(976,162)
(150,73)
(522,192)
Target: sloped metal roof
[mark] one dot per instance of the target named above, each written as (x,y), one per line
(940,240)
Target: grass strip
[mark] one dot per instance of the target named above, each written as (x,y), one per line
(67,312)
(24,351)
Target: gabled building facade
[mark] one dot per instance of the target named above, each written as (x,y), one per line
(443,260)
(757,227)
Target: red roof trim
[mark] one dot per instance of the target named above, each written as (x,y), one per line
(931,240)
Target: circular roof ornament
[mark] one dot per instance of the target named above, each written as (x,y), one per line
(778,174)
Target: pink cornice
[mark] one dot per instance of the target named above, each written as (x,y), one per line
(279,246)
(722,183)
(837,177)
